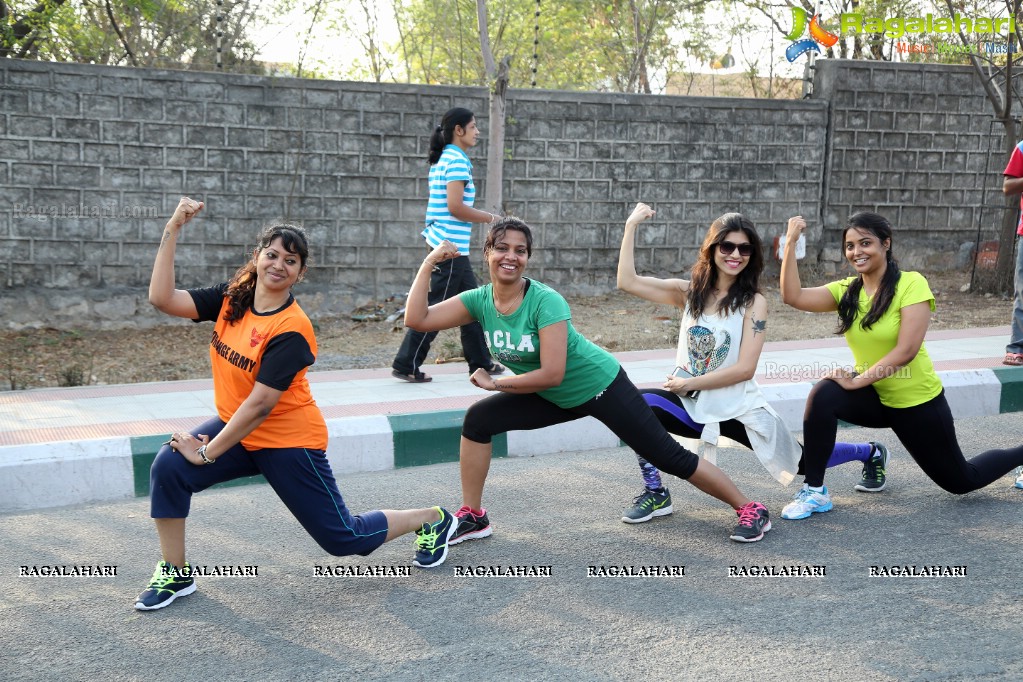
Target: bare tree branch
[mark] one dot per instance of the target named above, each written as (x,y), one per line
(488,55)
(117,29)
(308,35)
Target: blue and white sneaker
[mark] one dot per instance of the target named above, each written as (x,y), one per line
(1019,478)
(807,502)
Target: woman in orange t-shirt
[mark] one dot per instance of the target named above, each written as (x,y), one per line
(267,421)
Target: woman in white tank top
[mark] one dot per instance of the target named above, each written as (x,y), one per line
(712,391)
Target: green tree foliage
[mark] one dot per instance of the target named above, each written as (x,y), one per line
(156,33)
(615,45)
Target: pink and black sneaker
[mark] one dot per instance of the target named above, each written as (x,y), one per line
(754,521)
(471,526)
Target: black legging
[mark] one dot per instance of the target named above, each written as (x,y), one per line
(927,431)
(619,407)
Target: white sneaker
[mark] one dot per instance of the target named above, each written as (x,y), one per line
(807,502)
(1019,478)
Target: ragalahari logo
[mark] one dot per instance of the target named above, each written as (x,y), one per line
(818,36)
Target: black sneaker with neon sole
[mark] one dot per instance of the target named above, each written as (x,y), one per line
(647,505)
(875,471)
(432,540)
(166,585)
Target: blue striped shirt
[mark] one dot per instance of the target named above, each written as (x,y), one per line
(452,166)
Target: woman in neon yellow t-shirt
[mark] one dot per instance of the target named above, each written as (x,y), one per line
(884,314)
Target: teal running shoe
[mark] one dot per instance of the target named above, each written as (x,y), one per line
(807,502)
(647,505)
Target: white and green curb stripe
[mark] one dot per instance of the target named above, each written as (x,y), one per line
(76,472)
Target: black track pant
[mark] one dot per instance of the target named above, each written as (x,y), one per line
(447,280)
(619,407)
(927,431)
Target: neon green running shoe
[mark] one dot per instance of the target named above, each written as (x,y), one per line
(432,540)
(168,583)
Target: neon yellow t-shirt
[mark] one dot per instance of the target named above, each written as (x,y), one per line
(917,382)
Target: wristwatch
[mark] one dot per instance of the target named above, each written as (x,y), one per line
(202,455)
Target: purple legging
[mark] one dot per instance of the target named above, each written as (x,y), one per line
(670,411)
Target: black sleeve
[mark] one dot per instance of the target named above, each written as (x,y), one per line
(208,302)
(285,356)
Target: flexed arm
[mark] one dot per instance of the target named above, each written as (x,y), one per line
(670,291)
(162,293)
(422,316)
(814,300)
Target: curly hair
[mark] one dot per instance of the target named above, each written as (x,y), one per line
(241,290)
(501,227)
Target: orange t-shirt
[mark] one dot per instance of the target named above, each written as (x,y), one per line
(274,348)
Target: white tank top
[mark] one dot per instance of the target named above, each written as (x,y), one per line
(710,343)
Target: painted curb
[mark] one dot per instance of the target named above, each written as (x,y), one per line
(58,474)
(65,473)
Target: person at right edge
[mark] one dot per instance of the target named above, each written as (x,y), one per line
(1012,184)
(449,216)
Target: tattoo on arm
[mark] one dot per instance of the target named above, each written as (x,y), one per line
(165,239)
(759,326)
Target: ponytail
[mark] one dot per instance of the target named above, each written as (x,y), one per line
(445,132)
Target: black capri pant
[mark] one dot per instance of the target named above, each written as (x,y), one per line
(620,407)
(926,430)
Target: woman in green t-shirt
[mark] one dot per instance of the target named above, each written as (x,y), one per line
(883,314)
(558,376)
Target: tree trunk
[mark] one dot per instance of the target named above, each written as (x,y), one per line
(494,198)
(1005,270)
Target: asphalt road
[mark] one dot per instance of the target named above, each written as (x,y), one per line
(560,511)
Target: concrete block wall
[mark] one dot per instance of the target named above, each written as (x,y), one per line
(579,162)
(913,142)
(93,159)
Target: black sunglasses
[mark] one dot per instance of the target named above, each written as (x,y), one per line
(726,248)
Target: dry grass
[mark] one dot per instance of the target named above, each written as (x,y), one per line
(616,321)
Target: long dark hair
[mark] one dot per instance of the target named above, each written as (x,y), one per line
(705,276)
(501,227)
(241,290)
(849,304)
(443,133)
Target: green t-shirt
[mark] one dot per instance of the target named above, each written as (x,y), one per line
(917,382)
(515,341)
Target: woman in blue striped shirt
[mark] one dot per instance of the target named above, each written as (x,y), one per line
(449,216)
